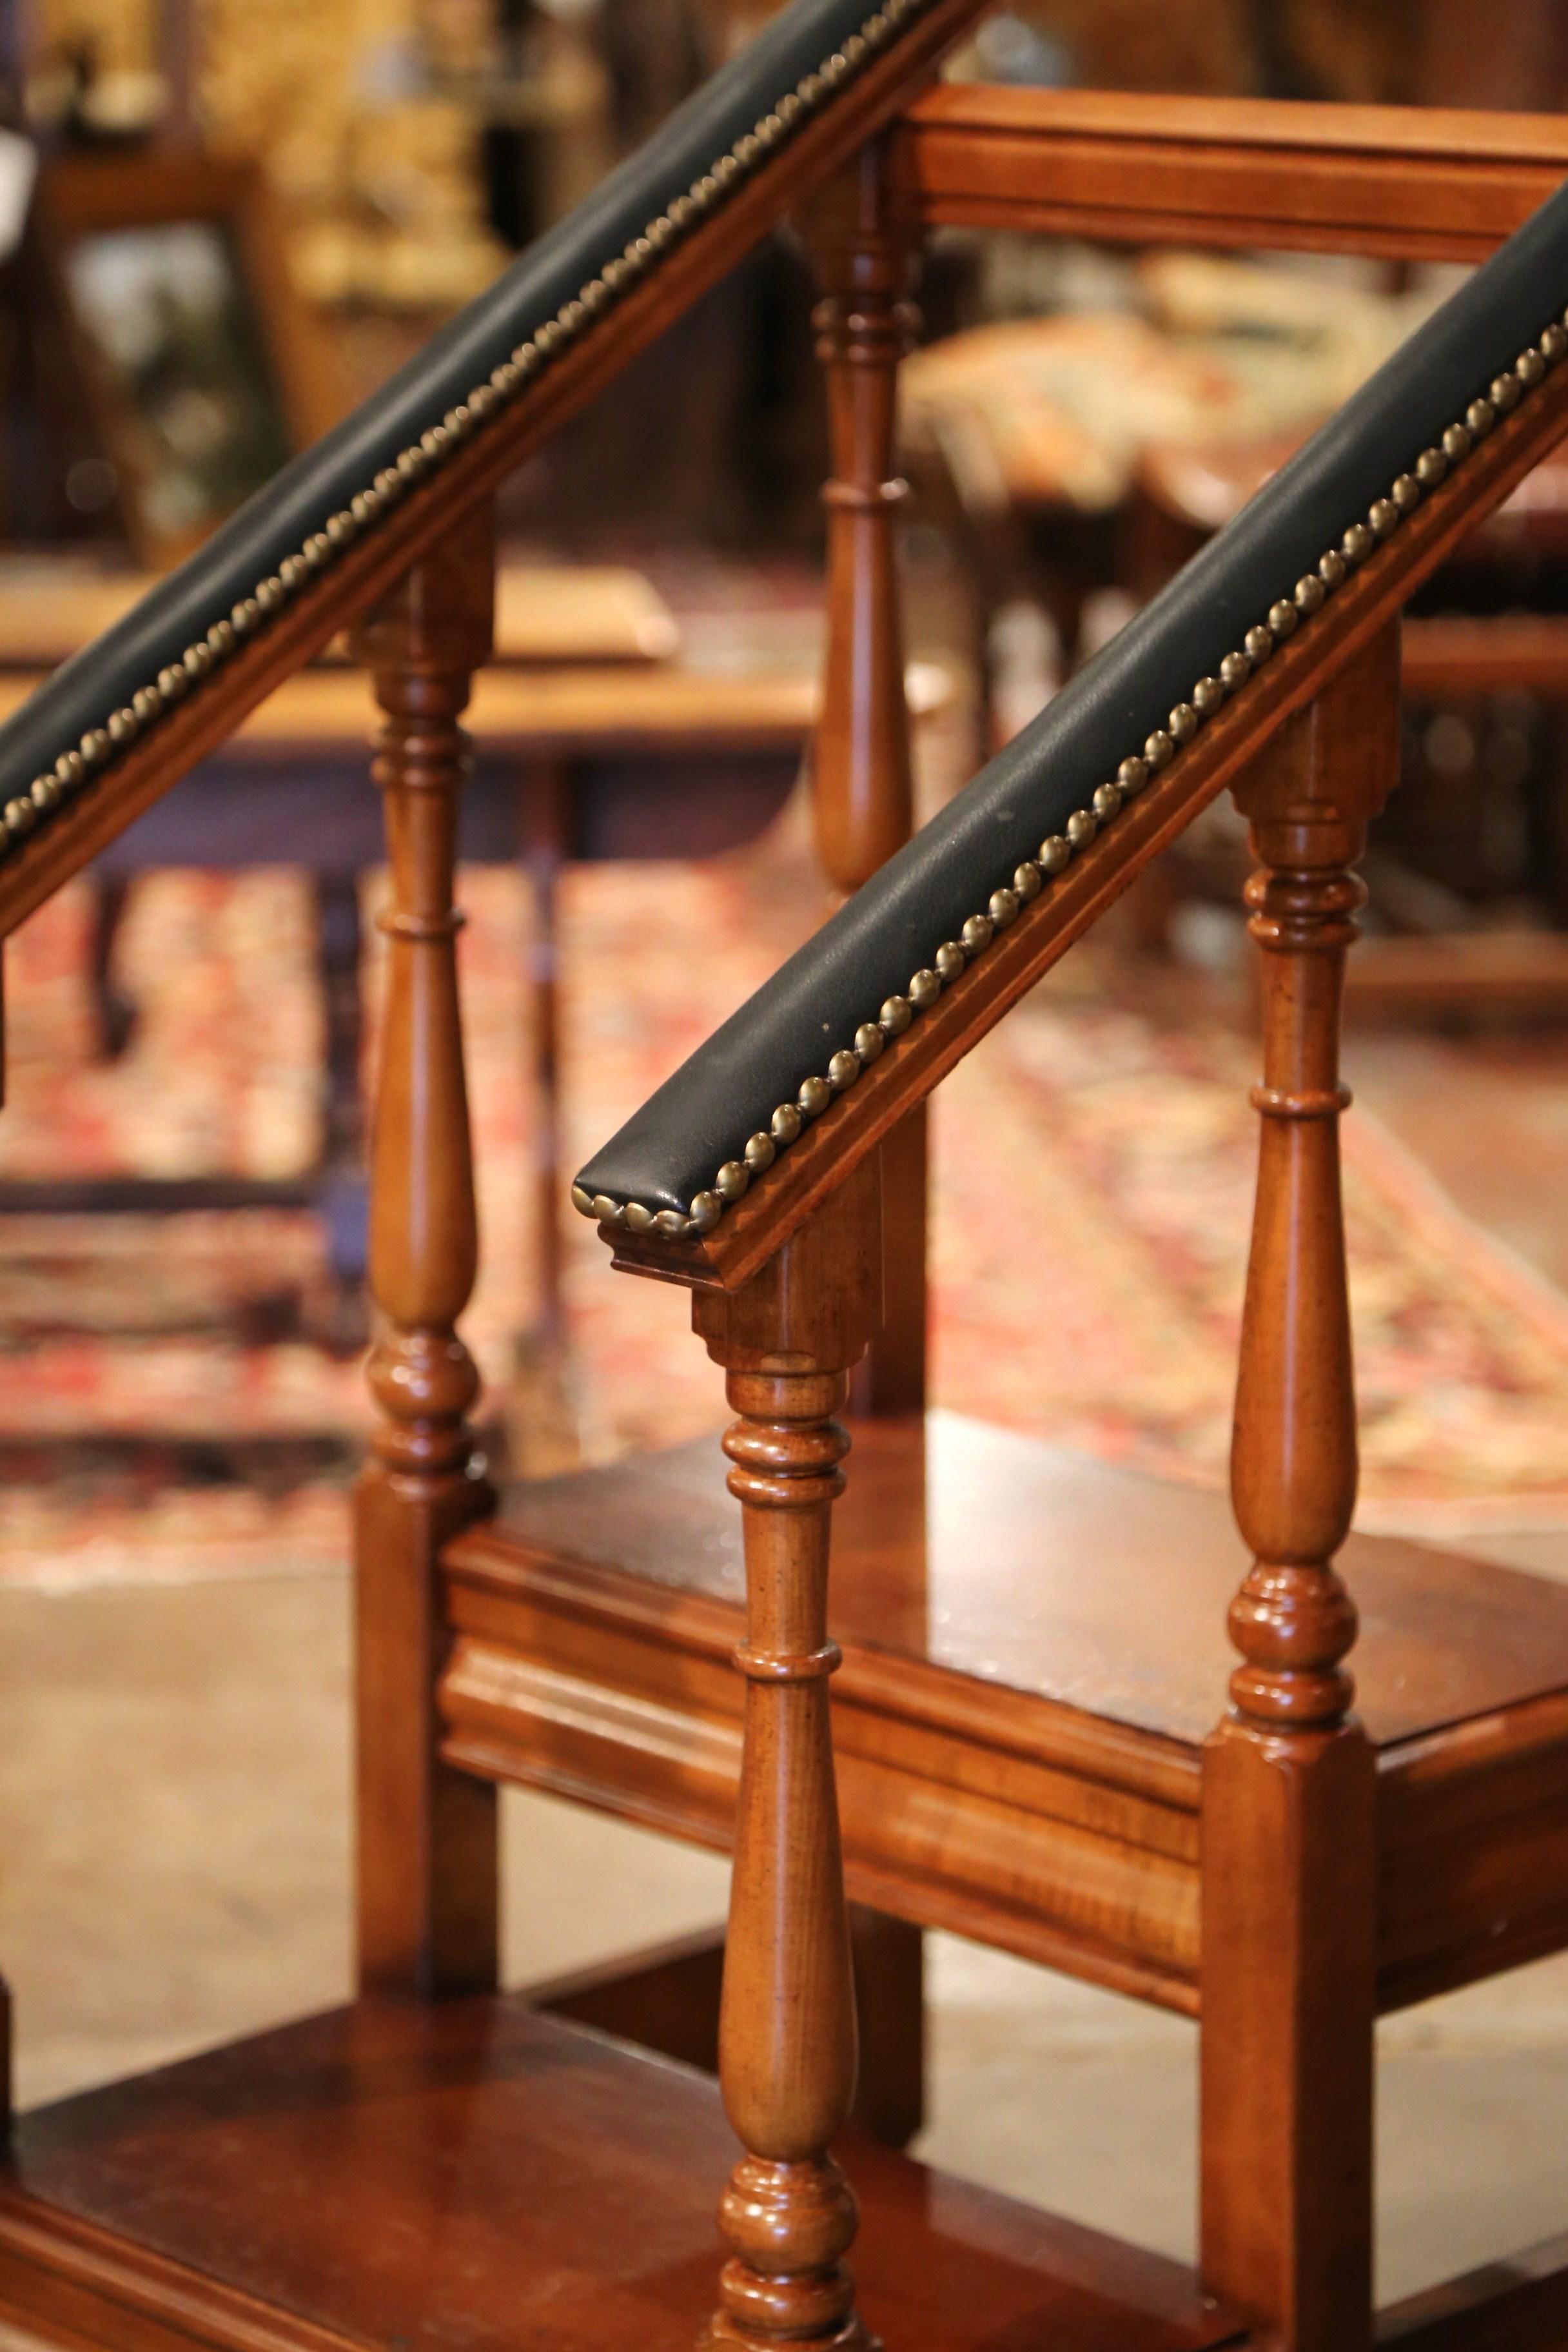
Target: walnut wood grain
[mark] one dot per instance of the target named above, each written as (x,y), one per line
(466,2177)
(427,1834)
(856,1122)
(666,1997)
(865,251)
(1018,1742)
(1409,183)
(787,2025)
(865,254)
(1289,1806)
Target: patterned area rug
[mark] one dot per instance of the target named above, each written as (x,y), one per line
(172,1403)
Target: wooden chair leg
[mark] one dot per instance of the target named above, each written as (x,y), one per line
(1288,1799)
(786,2032)
(427,1860)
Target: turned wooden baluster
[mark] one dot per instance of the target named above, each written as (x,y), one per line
(427,1834)
(864,255)
(1288,1825)
(786,2031)
(864,252)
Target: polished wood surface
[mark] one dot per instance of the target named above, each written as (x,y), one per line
(864,249)
(1519,2305)
(1410,183)
(1022,1712)
(959,1547)
(864,255)
(856,1122)
(786,2026)
(1289,1806)
(1018,1742)
(666,1997)
(466,2176)
(426,1835)
(543,613)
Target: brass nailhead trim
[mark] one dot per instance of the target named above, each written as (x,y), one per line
(440,442)
(1309,597)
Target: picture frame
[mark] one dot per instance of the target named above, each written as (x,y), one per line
(202,369)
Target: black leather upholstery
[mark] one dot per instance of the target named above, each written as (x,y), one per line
(275,522)
(811,1007)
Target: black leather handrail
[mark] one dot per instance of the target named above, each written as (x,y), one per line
(459,386)
(861,981)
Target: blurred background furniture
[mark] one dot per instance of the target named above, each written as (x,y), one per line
(1469,864)
(630,757)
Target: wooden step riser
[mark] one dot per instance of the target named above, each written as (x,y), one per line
(1069,1894)
(1058,1867)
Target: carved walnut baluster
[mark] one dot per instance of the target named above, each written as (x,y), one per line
(428,1852)
(786,2038)
(865,254)
(1289,1829)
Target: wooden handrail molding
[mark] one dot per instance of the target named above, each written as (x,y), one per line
(1290,1829)
(1406,183)
(786,2031)
(856,1122)
(426,1922)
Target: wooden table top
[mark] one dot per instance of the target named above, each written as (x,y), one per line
(1205,483)
(561,710)
(51,606)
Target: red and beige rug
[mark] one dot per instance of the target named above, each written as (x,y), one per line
(166,1412)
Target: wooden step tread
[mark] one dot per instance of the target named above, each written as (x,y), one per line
(1035,1651)
(988,1555)
(472,2175)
